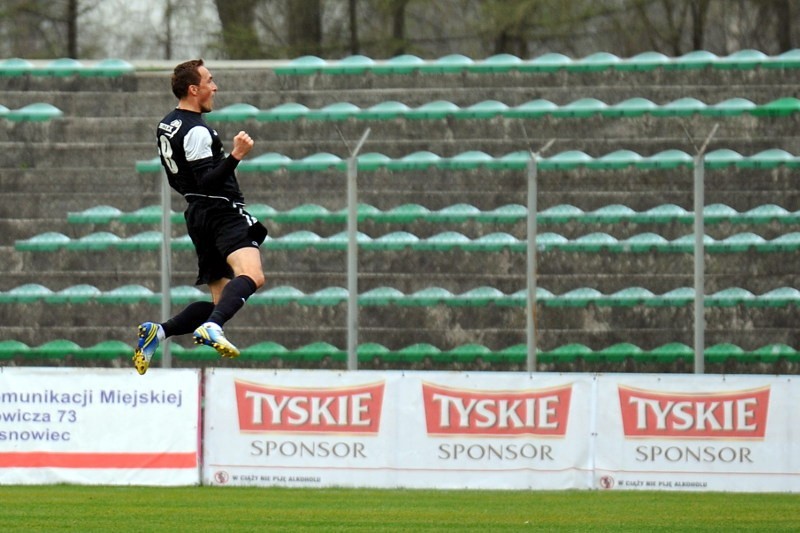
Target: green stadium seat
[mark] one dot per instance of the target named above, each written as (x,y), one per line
(101,214)
(79,294)
(403,214)
(316,162)
(233,113)
(387,110)
(149,165)
(772,353)
(770,159)
(616,160)
(104,351)
(632,107)
(263,352)
(582,108)
(742,59)
(643,62)
(729,108)
(402,64)
(325,297)
(788,59)
(567,160)
(550,62)
(618,353)
(267,162)
(61,67)
(415,161)
(9,349)
(568,353)
(283,112)
(780,107)
(129,294)
(483,110)
(334,112)
(317,351)
(695,59)
(729,297)
(437,109)
(354,64)
(466,353)
(496,64)
(45,242)
(28,293)
(595,62)
(670,352)
(449,64)
(280,295)
(533,109)
(301,66)
(396,240)
(780,297)
(15,66)
(380,296)
(108,68)
(667,159)
(38,112)
(54,349)
(468,160)
(644,242)
(478,297)
(680,108)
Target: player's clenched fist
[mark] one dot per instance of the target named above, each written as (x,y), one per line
(242,144)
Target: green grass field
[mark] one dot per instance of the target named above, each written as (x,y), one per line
(197,509)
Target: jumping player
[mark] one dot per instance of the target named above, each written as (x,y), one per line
(225,236)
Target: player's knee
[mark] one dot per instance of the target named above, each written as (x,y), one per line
(258,278)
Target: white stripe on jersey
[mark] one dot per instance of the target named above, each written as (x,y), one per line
(197,143)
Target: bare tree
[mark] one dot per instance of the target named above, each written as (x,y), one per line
(239,37)
(305,27)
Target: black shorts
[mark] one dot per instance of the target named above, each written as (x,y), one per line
(218,229)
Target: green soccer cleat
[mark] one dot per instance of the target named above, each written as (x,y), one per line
(211,334)
(147,346)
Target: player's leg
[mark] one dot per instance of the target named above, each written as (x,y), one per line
(230,296)
(152,333)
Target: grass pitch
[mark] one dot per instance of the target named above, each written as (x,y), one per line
(198,509)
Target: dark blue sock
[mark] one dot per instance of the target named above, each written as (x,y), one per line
(233,297)
(188,320)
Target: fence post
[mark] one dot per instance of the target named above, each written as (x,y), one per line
(166,266)
(352,255)
(699,256)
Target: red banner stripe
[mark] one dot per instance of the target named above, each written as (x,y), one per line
(97,460)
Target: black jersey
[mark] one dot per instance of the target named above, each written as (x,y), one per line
(193,156)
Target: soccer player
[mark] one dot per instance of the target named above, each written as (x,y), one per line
(225,236)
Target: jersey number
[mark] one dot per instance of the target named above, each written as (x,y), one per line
(165,148)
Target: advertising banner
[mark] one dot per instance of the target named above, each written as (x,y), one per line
(397,429)
(99,426)
(709,433)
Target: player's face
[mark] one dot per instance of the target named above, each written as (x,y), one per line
(206,90)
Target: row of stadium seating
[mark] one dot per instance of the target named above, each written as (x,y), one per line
(433,305)
(367,353)
(443,242)
(551,62)
(533,109)
(518,160)
(457,213)
(431,296)
(453,63)
(37,112)
(65,67)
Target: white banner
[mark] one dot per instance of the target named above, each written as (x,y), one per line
(395,429)
(99,426)
(691,432)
